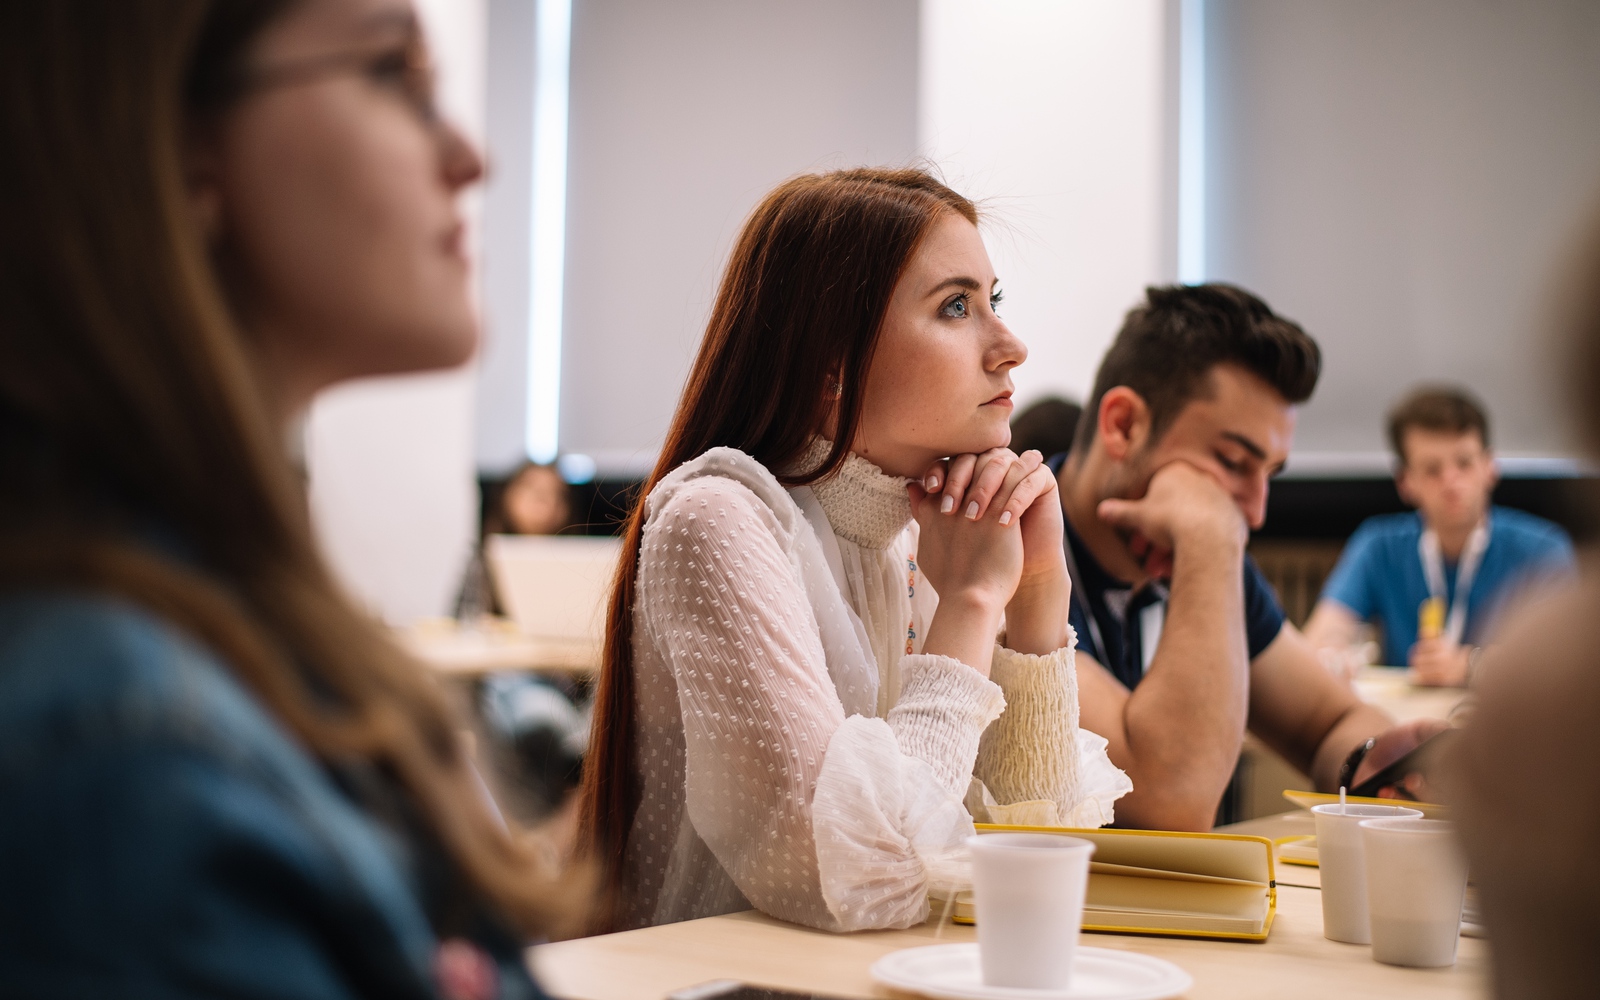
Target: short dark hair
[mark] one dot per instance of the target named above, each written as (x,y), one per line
(1442,408)
(1168,346)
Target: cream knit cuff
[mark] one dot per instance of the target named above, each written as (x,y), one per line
(1030,752)
(943,710)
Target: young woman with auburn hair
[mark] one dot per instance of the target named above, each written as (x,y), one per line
(788,716)
(217,776)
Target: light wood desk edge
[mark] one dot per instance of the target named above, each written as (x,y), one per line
(1297,961)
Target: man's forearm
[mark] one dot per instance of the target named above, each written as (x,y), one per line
(1359,724)
(1331,625)
(1185,721)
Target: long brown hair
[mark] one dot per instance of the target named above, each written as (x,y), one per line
(801,305)
(130,405)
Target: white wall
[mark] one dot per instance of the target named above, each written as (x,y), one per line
(502,368)
(1397,176)
(1057,114)
(683,115)
(393,486)
(1401,178)
(394,489)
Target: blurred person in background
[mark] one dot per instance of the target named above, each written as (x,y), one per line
(1046,427)
(1524,777)
(534,500)
(1433,580)
(217,776)
(540,724)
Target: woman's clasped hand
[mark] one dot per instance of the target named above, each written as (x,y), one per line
(990,542)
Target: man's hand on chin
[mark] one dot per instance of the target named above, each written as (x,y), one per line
(1182,508)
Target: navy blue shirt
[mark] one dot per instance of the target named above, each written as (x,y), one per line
(1098,592)
(1381,580)
(1122,635)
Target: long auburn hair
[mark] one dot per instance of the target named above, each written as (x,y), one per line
(130,403)
(801,305)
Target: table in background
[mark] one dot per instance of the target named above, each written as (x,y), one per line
(1390,689)
(1296,961)
(494,645)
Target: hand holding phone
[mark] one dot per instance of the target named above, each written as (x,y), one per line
(1408,777)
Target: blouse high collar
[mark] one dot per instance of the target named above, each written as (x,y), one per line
(864,504)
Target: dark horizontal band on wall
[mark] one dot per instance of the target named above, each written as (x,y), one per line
(1332,508)
(1322,508)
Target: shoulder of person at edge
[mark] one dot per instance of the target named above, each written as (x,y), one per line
(127,750)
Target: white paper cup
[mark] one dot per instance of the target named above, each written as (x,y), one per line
(1344,875)
(1028,891)
(1416,878)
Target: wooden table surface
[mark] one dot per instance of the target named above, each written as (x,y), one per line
(1296,962)
(494,646)
(1390,689)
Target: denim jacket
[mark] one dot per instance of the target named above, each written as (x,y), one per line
(161,835)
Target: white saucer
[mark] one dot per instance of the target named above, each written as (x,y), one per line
(953,972)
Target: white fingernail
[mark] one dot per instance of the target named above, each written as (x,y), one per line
(931,484)
(972,511)
(947,505)
(1005,517)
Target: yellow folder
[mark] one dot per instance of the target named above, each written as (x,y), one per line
(1207,885)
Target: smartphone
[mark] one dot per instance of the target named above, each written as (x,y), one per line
(1421,760)
(733,989)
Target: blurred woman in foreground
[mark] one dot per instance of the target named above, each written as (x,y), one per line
(1526,776)
(216,776)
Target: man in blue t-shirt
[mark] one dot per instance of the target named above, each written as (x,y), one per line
(1433,580)
(1181,643)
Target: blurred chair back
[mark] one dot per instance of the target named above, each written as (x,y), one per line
(1297,570)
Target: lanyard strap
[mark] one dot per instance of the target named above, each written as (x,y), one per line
(1152,619)
(1432,557)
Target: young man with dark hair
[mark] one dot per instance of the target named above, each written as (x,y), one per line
(1181,643)
(1434,579)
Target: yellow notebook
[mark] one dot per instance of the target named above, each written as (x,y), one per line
(1211,885)
(1299,850)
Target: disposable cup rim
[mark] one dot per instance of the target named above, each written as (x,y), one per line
(1411,826)
(1358,811)
(1035,842)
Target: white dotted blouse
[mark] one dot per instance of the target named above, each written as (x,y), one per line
(795,751)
